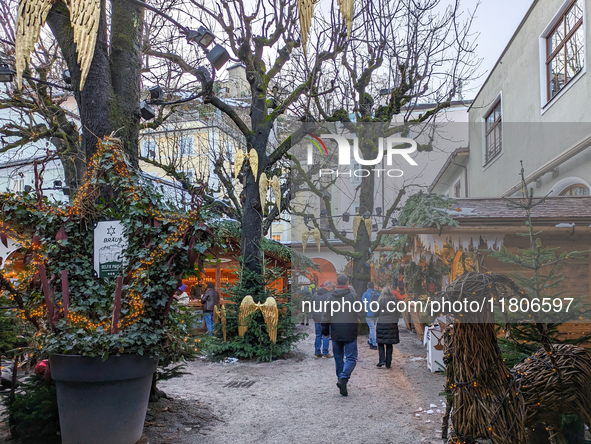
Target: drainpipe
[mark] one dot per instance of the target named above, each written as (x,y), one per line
(465,174)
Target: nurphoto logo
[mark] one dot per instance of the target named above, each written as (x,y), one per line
(390,147)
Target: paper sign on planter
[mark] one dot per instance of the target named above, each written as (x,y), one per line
(109,247)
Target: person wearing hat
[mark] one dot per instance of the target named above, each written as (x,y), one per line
(182,297)
(210,299)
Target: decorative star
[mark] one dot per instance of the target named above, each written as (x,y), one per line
(111,231)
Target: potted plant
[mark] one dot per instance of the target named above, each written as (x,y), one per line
(104,332)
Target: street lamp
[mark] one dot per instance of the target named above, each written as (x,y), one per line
(218,56)
(203,37)
(146,111)
(156,93)
(6,74)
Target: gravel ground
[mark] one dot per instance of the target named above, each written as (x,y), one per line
(296,400)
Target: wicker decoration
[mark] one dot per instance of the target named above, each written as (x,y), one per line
(276,192)
(270,314)
(548,396)
(253,159)
(483,395)
(263,189)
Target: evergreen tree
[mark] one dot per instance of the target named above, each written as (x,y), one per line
(541,282)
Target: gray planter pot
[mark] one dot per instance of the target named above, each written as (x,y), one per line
(102,402)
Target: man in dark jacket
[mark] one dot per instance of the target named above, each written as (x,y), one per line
(318,300)
(210,299)
(344,309)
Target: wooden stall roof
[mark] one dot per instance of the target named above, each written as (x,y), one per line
(495,215)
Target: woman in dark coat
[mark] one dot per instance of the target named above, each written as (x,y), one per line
(387,327)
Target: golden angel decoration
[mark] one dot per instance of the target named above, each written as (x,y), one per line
(85,18)
(219,314)
(270,314)
(253,160)
(306,12)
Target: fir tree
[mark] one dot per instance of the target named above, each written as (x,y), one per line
(541,282)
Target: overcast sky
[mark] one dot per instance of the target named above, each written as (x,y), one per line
(496,21)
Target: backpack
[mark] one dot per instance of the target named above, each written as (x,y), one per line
(374,296)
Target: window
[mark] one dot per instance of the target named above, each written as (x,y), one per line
(276,237)
(565,49)
(493,133)
(575,190)
(356,178)
(18,185)
(186,147)
(149,148)
(458,189)
(190,175)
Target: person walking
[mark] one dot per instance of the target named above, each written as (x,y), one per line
(318,299)
(387,326)
(210,299)
(368,297)
(305,295)
(343,326)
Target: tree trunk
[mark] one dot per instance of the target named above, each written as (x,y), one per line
(127,21)
(252,219)
(109,102)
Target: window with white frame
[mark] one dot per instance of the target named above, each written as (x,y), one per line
(356,178)
(186,146)
(149,148)
(565,48)
(493,138)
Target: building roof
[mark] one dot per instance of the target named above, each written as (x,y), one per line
(525,17)
(463,151)
(497,214)
(559,208)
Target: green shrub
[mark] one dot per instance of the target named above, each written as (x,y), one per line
(33,413)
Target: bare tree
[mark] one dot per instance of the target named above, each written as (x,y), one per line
(401,54)
(133,45)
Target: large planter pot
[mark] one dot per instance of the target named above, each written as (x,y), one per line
(102,402)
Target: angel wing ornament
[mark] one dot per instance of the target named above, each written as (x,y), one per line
(30,19)
(253,158)
(247,306)
(316,234)
(305,237)
(368,226)
(305,11)
(356,223)
(346,7)
(271,316)
(276,191)
(263,189)
(85,16)
(238,161)
(219,314)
